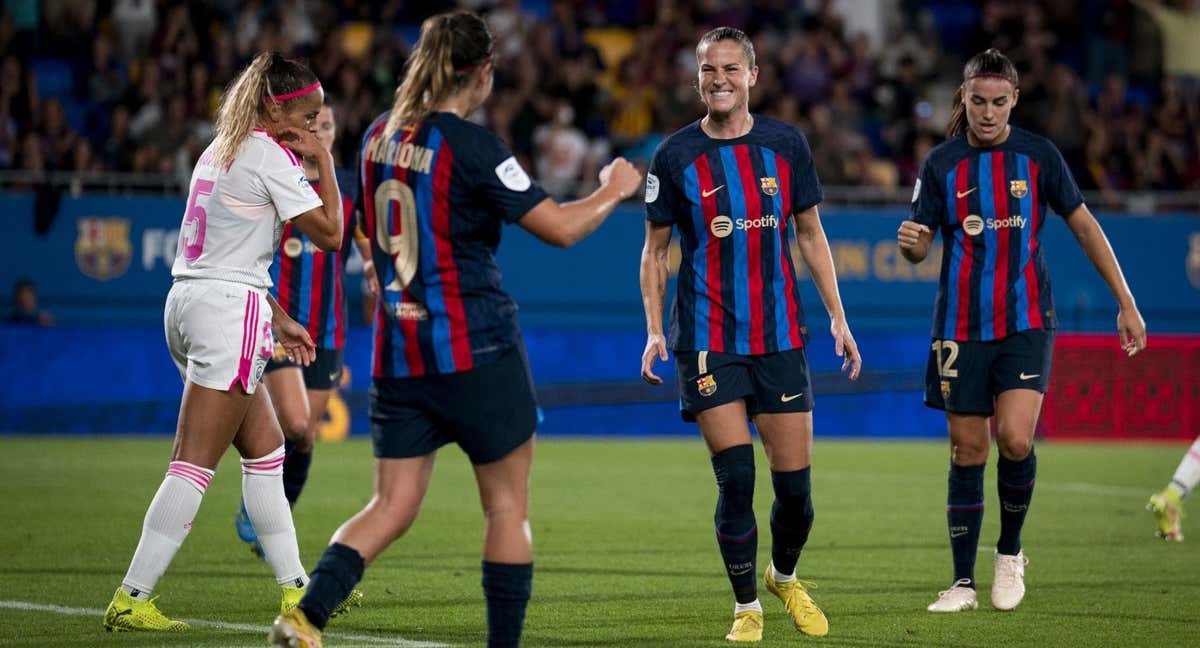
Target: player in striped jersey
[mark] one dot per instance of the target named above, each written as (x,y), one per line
(449,364)
(734,183)
(244,187)
(987,189)
(307,283)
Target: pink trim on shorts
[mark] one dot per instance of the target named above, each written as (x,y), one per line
(249,331)
(296,93)
(1195,455)
(194,475)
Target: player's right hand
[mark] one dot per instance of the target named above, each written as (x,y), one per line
(656,345)
(295,339)
(622,176)
(300,141)
(910,233)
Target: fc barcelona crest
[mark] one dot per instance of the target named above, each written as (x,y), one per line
(1018,188)
(770,185)
(707,385)
(102,249)
(945,389)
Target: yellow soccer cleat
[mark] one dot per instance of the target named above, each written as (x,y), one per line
(353,600)
(747,626)
(293,630)
(128,614)
(1168,510)
(292,596)
(806,616)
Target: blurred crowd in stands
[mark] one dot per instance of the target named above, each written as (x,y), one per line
(132,85)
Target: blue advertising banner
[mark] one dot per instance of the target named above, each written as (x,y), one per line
(107,259)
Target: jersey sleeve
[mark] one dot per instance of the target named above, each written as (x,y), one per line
(286,184)
(661,192)
(498,179)
(806,187)
(928,200)
(1062,194)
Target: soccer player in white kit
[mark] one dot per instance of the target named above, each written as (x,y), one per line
(1167,504)
(220,323)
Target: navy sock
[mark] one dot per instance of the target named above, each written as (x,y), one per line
(737,532)
(507,588)
(332,580)
(964,517)
(791,517)
(1014,481)
(295,471)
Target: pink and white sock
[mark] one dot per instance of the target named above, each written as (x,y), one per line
(167,523)
(1187,475)
(262,491)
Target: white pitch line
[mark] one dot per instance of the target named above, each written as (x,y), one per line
(1096,489)
(221,625)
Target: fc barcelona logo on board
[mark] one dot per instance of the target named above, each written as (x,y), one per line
(770,185)
(102,249)
(707,385)
(1018,188)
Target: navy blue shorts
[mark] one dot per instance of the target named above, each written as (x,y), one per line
(325,372)
(488,410)
(966,377)
(772,383)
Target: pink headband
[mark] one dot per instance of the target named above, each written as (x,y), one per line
(990,75)
(296,93)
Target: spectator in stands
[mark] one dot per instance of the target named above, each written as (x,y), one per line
(25,306)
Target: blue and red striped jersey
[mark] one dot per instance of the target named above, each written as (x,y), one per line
(434,195)
(308,282)
(732,201)
(990,205)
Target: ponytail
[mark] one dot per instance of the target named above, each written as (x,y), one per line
(452,47)
(269,77)
(958,118)
(990,63)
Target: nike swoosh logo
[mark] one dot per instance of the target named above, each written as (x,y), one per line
(787,399)
(706,194)
(963,194)
(958,534)
(1025,376)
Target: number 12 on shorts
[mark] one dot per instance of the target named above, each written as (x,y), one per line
(946,367)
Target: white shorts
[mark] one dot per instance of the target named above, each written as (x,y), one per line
(219,333)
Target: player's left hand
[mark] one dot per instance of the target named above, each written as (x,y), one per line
(846,348)
(1132,330)
(295,340)
(371,277)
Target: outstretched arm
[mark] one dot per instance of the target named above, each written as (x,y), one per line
(566,224)
(1091,238)
(814,249)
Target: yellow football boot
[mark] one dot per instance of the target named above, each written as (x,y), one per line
(806,616)
(293,630)
(747,626)
(126,613)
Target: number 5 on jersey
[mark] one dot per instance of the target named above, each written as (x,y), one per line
(191,234)
(396,230)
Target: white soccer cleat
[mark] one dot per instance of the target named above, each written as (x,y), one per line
(1008,585)
(960,597)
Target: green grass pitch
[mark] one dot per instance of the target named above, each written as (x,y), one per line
(624,546)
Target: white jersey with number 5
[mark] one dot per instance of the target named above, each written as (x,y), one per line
(235,215)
